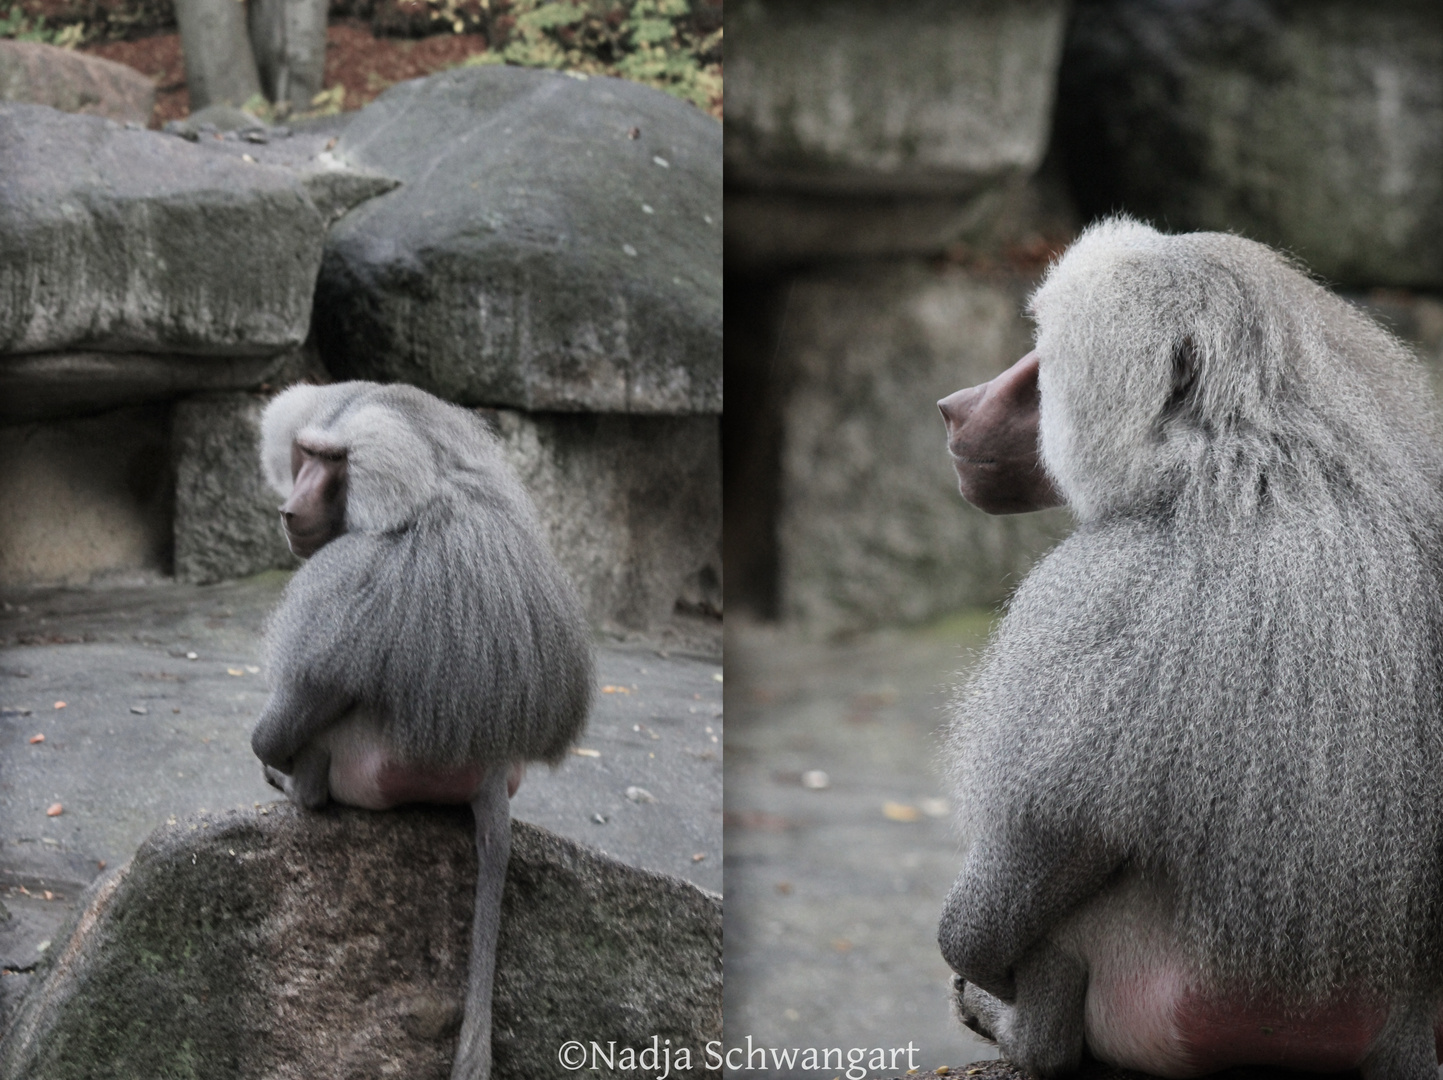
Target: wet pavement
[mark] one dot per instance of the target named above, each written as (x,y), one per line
(839,843)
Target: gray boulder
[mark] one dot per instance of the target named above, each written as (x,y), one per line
(631,506)
(125,240)
(871,530)
(226,519)
(73,82)
(280,944)
(851,98)
(1316,127)
(556,244)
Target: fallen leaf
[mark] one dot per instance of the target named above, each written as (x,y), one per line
(582,751)
(36,738)
(894,811)
(60,704)
(615,690)
(639,794)
(101,864)
(253,669)
(699,856)
(55,810)
(235,671)
(49,895)
(140,710)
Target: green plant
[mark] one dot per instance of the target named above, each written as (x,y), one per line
(17,26)
(674,45)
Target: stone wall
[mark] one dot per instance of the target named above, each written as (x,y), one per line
(511,239)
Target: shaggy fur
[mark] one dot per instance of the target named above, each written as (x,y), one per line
(1227,681)
(440,609)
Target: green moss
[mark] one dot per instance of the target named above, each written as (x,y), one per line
(15,25)
(662,43)
(176,964)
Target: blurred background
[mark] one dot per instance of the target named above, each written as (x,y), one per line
(897,178)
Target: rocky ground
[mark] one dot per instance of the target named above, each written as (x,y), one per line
(124,707)
(839,849)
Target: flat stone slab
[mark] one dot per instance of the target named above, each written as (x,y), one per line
(556,244)
(41,74)
(278,943)
(47,386)
(132,241)
(848,98)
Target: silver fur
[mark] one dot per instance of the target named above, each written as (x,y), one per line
(440,609)
(1228,682)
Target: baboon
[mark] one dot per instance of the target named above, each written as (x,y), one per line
(430,645)
(1199,769)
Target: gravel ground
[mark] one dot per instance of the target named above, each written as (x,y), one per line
(834,892)
(161,684)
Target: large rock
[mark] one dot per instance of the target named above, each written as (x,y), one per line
(282,944)
(126,240)
(631,505)
(556,245)
(851,97)
(73,82)
(226,520)
(871,530)
(1316,127)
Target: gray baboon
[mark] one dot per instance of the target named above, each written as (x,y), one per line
(1199,771)
(431,644)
